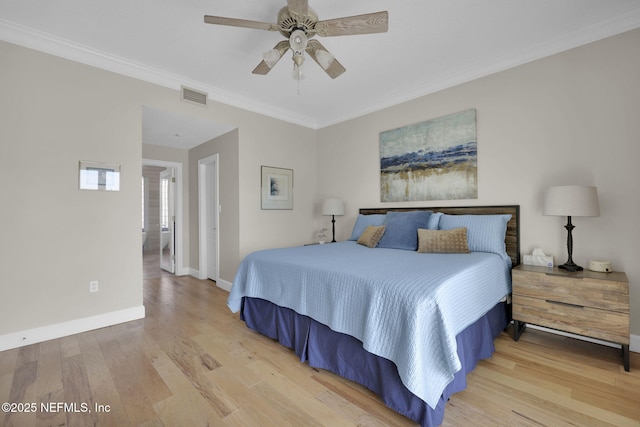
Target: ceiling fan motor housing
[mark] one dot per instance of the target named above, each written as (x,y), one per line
(288,23)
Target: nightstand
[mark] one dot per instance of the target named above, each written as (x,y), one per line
(587,303)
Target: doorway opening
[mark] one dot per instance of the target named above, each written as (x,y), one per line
(162,215)
(167,220)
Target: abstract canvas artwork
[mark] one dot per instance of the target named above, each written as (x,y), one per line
(432,160)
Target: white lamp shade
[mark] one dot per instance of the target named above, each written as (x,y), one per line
(333,206)
(571,200)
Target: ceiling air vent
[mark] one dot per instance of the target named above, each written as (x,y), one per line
(194,96)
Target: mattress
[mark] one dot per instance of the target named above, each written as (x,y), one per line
(403,306)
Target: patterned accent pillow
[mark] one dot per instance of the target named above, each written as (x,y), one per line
(443,241)
(371,235)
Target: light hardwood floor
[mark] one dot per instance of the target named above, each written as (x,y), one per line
(191,362)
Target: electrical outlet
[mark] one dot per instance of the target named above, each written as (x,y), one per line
(93,286)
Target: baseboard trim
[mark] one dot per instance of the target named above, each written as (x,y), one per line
(59,330)
(223,284)
(182,271)
(633,346)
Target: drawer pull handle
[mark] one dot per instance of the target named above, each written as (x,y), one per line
(564,303)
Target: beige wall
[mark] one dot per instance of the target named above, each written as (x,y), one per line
(572,118)
(57,238)
(56,112)
(280,145)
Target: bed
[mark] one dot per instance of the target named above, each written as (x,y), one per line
(400,307)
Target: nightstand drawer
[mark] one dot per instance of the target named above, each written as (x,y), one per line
(577,289)
(575,318)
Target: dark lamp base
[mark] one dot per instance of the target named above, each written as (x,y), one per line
(570,267)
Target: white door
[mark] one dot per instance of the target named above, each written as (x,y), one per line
(212,221)
(208,210)
(167,220)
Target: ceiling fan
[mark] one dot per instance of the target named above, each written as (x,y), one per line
(299,24)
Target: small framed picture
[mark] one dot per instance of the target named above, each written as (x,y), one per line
(277,188)
(99,176)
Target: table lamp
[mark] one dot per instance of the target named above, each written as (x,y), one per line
(571,200)
(333,207)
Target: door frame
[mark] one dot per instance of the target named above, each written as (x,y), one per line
(203,222)
(177,205)
(170,174)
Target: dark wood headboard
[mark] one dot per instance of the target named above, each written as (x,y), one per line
(512,239)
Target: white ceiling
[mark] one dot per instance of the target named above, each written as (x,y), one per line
(430,45)
(170,129)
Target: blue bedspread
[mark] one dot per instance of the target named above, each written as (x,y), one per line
(404,306)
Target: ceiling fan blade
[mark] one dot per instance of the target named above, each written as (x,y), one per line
(298,7)
(377,22)
(324,59)
(263,68)
(245,23)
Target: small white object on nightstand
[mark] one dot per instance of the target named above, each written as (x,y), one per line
(600,266)
(538,258)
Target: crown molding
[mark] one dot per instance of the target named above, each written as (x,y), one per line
(598,31)
(47,43)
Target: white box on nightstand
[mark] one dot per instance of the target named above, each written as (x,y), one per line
(539,261)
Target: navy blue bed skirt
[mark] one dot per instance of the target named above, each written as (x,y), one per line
(344,355)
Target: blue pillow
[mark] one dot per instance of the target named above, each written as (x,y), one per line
(401,229)
(434,221)
(363,222)
(485,233)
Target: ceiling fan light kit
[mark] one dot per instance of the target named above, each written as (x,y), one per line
(299,24)
(324,58)
(298,41)
(271,57)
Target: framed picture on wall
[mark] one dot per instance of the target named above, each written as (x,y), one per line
(433,160)
(277,188)
(99,176)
